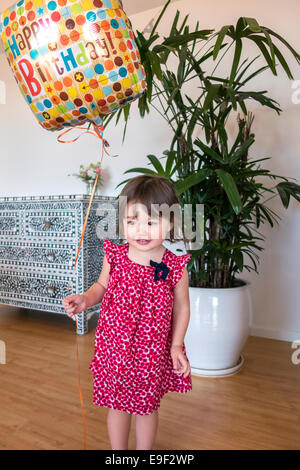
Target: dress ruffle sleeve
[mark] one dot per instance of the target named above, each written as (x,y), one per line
(109,250)
(178,268)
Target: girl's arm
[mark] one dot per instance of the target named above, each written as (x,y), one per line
(181,310)
(95,293)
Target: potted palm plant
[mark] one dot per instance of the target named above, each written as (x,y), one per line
(207,170)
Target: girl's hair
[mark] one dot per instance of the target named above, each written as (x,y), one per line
(148,190)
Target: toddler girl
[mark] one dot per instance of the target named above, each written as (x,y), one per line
(139,343)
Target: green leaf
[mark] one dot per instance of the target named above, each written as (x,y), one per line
(126,111)
(212,92)
(191,180)
(173,94)
(182,64)
(232,97)
(283,62)
(239,259)
(140,40)
(219,41)
(170,162)
(253,24)
(279,57)
(263,100)
(160,17)
(209,151)
(157,165)
(292,50)
(270,44)
(223,140)
(257,215)
(230,189)
(238,78)
(242,149)
(142,105)
(122,182)
(149,78)
(155,62)
(182,39)
(264,210)
(174,25)
(286,189)
(236,60)
(257,72)
(242,105)
(191,125)
(265,53)
(240,25)
(141,170)
(119,114)
(184,23)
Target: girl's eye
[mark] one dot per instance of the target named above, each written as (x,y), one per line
(130,222)
(152,223)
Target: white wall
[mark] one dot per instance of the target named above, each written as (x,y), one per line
(34,163)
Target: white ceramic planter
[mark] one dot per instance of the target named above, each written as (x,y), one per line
(218,329)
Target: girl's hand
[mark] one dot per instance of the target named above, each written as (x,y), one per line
(74,304)
(180,363)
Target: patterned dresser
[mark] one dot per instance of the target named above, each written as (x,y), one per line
(39,239)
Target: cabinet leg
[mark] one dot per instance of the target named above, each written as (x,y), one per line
(82,323)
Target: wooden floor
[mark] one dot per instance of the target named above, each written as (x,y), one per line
(257,408)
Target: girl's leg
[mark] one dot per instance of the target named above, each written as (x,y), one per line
(118,423)
(145,429)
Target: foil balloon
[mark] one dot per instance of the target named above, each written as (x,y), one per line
(74,61)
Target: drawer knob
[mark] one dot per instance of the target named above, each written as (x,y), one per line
(50,256)
(47,223)
(51,290)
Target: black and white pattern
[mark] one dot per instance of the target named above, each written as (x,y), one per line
(39,239)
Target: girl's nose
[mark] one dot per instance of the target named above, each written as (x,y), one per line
(142,230)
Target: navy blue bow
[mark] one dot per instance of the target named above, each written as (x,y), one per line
(159,267)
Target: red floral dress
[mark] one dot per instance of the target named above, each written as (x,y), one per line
(132,364)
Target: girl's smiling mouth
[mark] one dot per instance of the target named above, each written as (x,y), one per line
(143,241)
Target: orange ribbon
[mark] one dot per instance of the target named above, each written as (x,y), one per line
(98,132)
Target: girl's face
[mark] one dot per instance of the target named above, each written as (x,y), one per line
(142,230)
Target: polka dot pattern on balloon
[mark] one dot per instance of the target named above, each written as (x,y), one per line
(76,51)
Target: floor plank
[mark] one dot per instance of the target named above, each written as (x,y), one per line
(257,408)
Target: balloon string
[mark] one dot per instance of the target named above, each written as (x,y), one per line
(78,362)
(98,132)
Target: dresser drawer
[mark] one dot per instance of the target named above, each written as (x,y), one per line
(35,287)
(50,224)
(43,255)
(9,223)
(39,240)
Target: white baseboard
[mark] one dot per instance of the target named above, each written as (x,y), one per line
(283,335)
